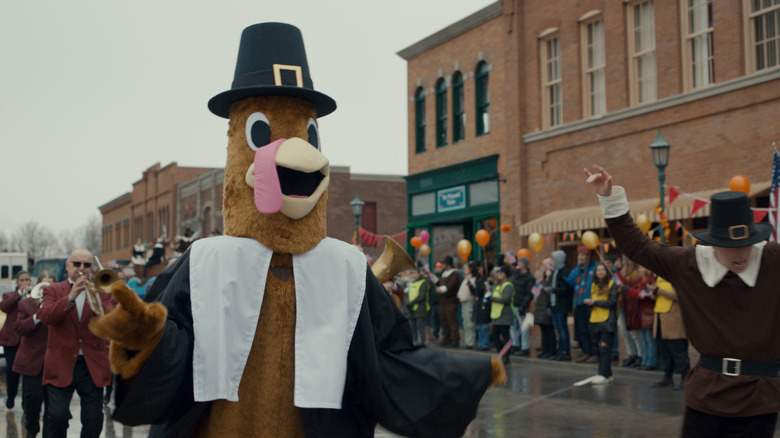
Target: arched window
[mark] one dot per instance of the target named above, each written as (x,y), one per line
(419,120)
(483,99)
(441,113)
(458,112)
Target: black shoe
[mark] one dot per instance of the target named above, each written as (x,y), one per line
(647,368)
(563,358)
(630,361)
(9,402)
(525,353)
(679,387)
(615,358)
(665,383)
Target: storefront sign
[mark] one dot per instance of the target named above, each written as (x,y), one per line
(453,198)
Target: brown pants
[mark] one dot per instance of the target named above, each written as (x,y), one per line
(449,324)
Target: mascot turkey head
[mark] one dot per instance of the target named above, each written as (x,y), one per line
(276,177)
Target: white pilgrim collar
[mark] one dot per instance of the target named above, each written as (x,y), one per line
(712,272)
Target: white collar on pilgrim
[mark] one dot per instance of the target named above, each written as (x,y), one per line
(712,272)
(447,273)
(227,284)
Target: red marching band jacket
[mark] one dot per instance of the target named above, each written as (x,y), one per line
(8,335)
(29,357)
(67,334)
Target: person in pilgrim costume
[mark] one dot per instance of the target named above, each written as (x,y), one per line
(274,329)
(727,291)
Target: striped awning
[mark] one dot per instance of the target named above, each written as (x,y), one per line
(588,218)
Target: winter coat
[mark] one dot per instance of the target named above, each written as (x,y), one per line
(542,311)
(500,308)
(522,284)
(481,306)
(671,321)
(604,298)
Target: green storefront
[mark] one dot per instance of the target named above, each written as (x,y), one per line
(453,203)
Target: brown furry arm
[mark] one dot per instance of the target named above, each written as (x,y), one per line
(134,328)
(498,377)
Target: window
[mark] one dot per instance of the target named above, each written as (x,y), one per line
(551,83)
(368,218)
(419,120)
(458,111)
(150,228)
(118,234)
(764,36)
(641,47)
(483,99)
(595,59)
(441,113)
(127,231)
(698,60)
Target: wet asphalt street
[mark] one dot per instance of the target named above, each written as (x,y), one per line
(540,400)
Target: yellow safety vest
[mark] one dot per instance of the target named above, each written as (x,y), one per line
(497,308)
(663,304)
(599,314)
(414,292)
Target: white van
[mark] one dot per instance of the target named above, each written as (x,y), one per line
(10,265)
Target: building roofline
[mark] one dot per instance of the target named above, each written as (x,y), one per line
(119,199)
(456,29)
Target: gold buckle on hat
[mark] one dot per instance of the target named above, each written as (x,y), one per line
(278,73)
(745,232)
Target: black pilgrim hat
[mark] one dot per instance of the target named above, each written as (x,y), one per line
(731,223)
(271,62)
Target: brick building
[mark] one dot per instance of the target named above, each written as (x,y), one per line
(577,83)
(143,212)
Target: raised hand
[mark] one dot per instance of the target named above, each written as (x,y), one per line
(134,328)
(600,180)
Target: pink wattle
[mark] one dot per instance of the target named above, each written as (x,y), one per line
(268,192)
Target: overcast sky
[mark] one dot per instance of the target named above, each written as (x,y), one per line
(92,93)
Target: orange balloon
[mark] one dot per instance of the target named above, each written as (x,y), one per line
(416,241)
(643,222)
(464,249)
(590,239)
(425,249)
(739,183)
(523,252)
(506,227)
(535,242)
(483,237)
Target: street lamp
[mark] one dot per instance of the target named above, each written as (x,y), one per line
(357,209)
(660,150)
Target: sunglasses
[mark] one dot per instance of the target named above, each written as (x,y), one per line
(78,264)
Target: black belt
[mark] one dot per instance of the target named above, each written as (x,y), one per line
(736,367)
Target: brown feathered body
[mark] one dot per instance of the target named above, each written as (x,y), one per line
(265,407)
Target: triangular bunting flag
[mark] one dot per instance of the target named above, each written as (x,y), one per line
(673,194)
(685,233)
(548,238)
(606,247)
(579,234)
(697,204)
(759,215)
(565,236)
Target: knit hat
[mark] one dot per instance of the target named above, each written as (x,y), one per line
(523,260)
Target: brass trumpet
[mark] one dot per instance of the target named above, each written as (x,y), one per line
(393,260)
(101,281)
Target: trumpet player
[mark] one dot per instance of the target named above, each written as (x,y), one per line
(9,339)
(29,358)
(76,359)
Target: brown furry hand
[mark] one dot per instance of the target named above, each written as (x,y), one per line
(133,326)
(498,377)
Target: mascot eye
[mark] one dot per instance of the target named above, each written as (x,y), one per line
(258,131)
(314,133)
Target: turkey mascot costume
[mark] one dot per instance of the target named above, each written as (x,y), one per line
(275,330)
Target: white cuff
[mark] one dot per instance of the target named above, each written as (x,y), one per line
(36,320)
(615,205)
(442,289)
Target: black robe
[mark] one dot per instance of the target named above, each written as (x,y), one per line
(411,391)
